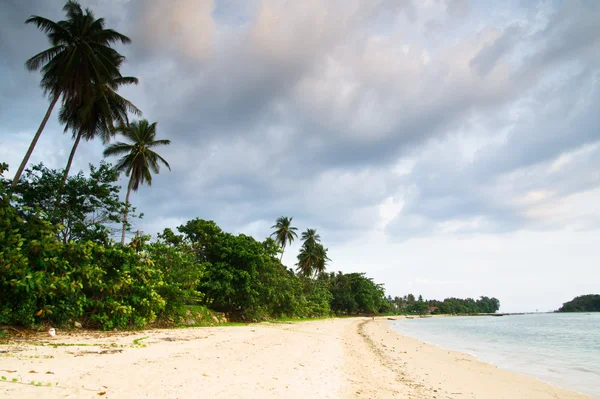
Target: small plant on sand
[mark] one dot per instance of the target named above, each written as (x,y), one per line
(137,342)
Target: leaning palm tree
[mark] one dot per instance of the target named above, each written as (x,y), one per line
(139,160)
(79,58)
(284,232)
(97,116)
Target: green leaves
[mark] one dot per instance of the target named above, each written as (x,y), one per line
(45,280)
(583,303)
(89,205)
(58,275)
(284,232)
(312,259)
(139,160)
(81,54)
(354,293)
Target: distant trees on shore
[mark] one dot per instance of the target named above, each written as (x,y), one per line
(583,303)
(408,304)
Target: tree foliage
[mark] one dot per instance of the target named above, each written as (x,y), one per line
(583,303)
(408,304)
(139,159)
(58,265)
(284,232)
(244,276)
(89,206)
(78,65)
(354,293)
(43,279)
(312,259)
(96,117)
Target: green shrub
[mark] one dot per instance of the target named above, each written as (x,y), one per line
(45,280)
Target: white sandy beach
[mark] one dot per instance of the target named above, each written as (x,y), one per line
(337,358)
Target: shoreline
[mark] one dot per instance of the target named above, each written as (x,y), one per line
(463,372)
(333,358)
(508,358)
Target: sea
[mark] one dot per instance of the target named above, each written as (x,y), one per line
(562,349)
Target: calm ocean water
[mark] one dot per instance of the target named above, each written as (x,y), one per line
(562,349)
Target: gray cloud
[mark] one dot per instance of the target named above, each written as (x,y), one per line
(306,110)
(489,55)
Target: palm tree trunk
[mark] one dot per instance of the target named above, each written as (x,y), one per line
(126,209)
(34,141)
(282,251)
(68,168)
(71,156)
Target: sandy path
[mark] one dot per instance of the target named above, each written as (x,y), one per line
(338,358)
(262,361)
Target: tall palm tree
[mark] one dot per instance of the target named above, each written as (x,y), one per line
(284,232)
(306,261)
(312,260)
(97,115)
(139,160)
(321,259)
(80,57)
(310,237)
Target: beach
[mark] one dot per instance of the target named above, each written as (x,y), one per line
(333,358)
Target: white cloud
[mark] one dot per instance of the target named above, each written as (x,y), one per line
(185,26)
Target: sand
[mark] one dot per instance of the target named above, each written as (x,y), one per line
(337,358)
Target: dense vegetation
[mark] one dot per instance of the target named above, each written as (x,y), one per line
(584,303)
(408,304)
(60,264)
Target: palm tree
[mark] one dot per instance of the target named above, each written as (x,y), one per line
(305,261)
(80,57)
(321,259)
(97,116)
(312,260)
(310,237)
(284,232)
(139,159)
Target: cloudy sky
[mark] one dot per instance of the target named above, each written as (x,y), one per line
(445,147)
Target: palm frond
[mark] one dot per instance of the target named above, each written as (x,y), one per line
(157,143)
(35,62)
(110,36)
(163,161)
(72,9)
(44,24)
(140,161)
(123,165)
(117,149)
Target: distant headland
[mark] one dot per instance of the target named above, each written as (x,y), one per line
(583,303)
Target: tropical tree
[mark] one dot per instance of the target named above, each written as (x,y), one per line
(79,58)
(312,258)
(284,232)
(310,237)
(89,204)
(139,161)
(321,259)
(96,116)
